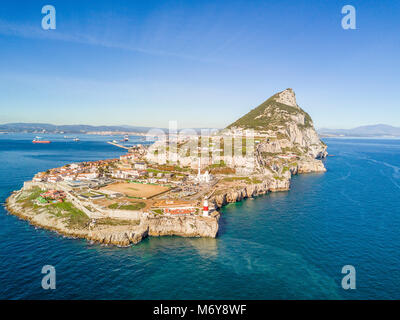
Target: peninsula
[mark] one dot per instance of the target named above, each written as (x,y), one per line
(176,185)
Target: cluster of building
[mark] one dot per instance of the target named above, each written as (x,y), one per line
(180,207)
(51,196)
(73,172)
(83,180)
(129,167)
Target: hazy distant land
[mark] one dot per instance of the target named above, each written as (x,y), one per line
(379,130)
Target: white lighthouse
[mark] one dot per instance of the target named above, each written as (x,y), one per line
(205,207)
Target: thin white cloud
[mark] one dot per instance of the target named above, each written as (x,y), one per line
(36,32)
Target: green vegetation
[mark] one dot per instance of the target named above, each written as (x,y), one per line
(158,211)
(246,179)
(221,164)
(269,154)
(114,206)
(167,169)
(294,150)
(75,217)
(89,194)
(231,179)
(117,222)
(27,198)
(222,170)
(270,115)
(155,171)
(285,169)
(281,135)
(133,206)
(31,194)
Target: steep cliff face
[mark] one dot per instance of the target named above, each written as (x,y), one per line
(123,234)
(310,166)
(281,117)
(119,235)
(249,191)
(186,226)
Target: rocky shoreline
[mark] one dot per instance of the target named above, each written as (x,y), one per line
(270,185)
(135,231)
(285,144)
(119,235)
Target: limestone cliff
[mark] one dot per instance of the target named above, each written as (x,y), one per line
(249,191)
(120,232)
(186,226)
(290,127)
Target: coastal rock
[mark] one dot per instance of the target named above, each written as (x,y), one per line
(287,97)
(249,191)
(285,144)
(310,166)
(115,235)
(281,116)
(121,236)
(270,147)
(186,226)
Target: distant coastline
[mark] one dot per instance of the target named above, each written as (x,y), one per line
(360,137)
(370,131)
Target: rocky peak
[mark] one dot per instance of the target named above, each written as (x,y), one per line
(275,114)
(287,97)
(280,118)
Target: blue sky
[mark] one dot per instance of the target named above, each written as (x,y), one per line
(202,63)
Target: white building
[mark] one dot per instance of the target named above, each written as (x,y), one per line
(202,178)
(125,174)
(140,166)
(53,179)
(87,176)
(69,178)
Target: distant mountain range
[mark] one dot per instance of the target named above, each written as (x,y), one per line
(378,130)
(80,128)
(50,128)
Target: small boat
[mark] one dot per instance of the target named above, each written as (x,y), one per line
(76,139)
(126,138)
(38,140)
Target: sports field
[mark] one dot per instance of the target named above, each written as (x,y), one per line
(136,189)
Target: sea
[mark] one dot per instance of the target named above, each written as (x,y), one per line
(286,245)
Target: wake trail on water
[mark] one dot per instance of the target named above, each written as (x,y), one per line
(253,261)
(395,174)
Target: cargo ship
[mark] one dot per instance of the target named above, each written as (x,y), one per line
(125,139)
(37,140)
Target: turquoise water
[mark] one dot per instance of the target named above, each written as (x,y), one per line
(289,245)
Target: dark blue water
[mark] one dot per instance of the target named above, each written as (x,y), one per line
(289,245)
